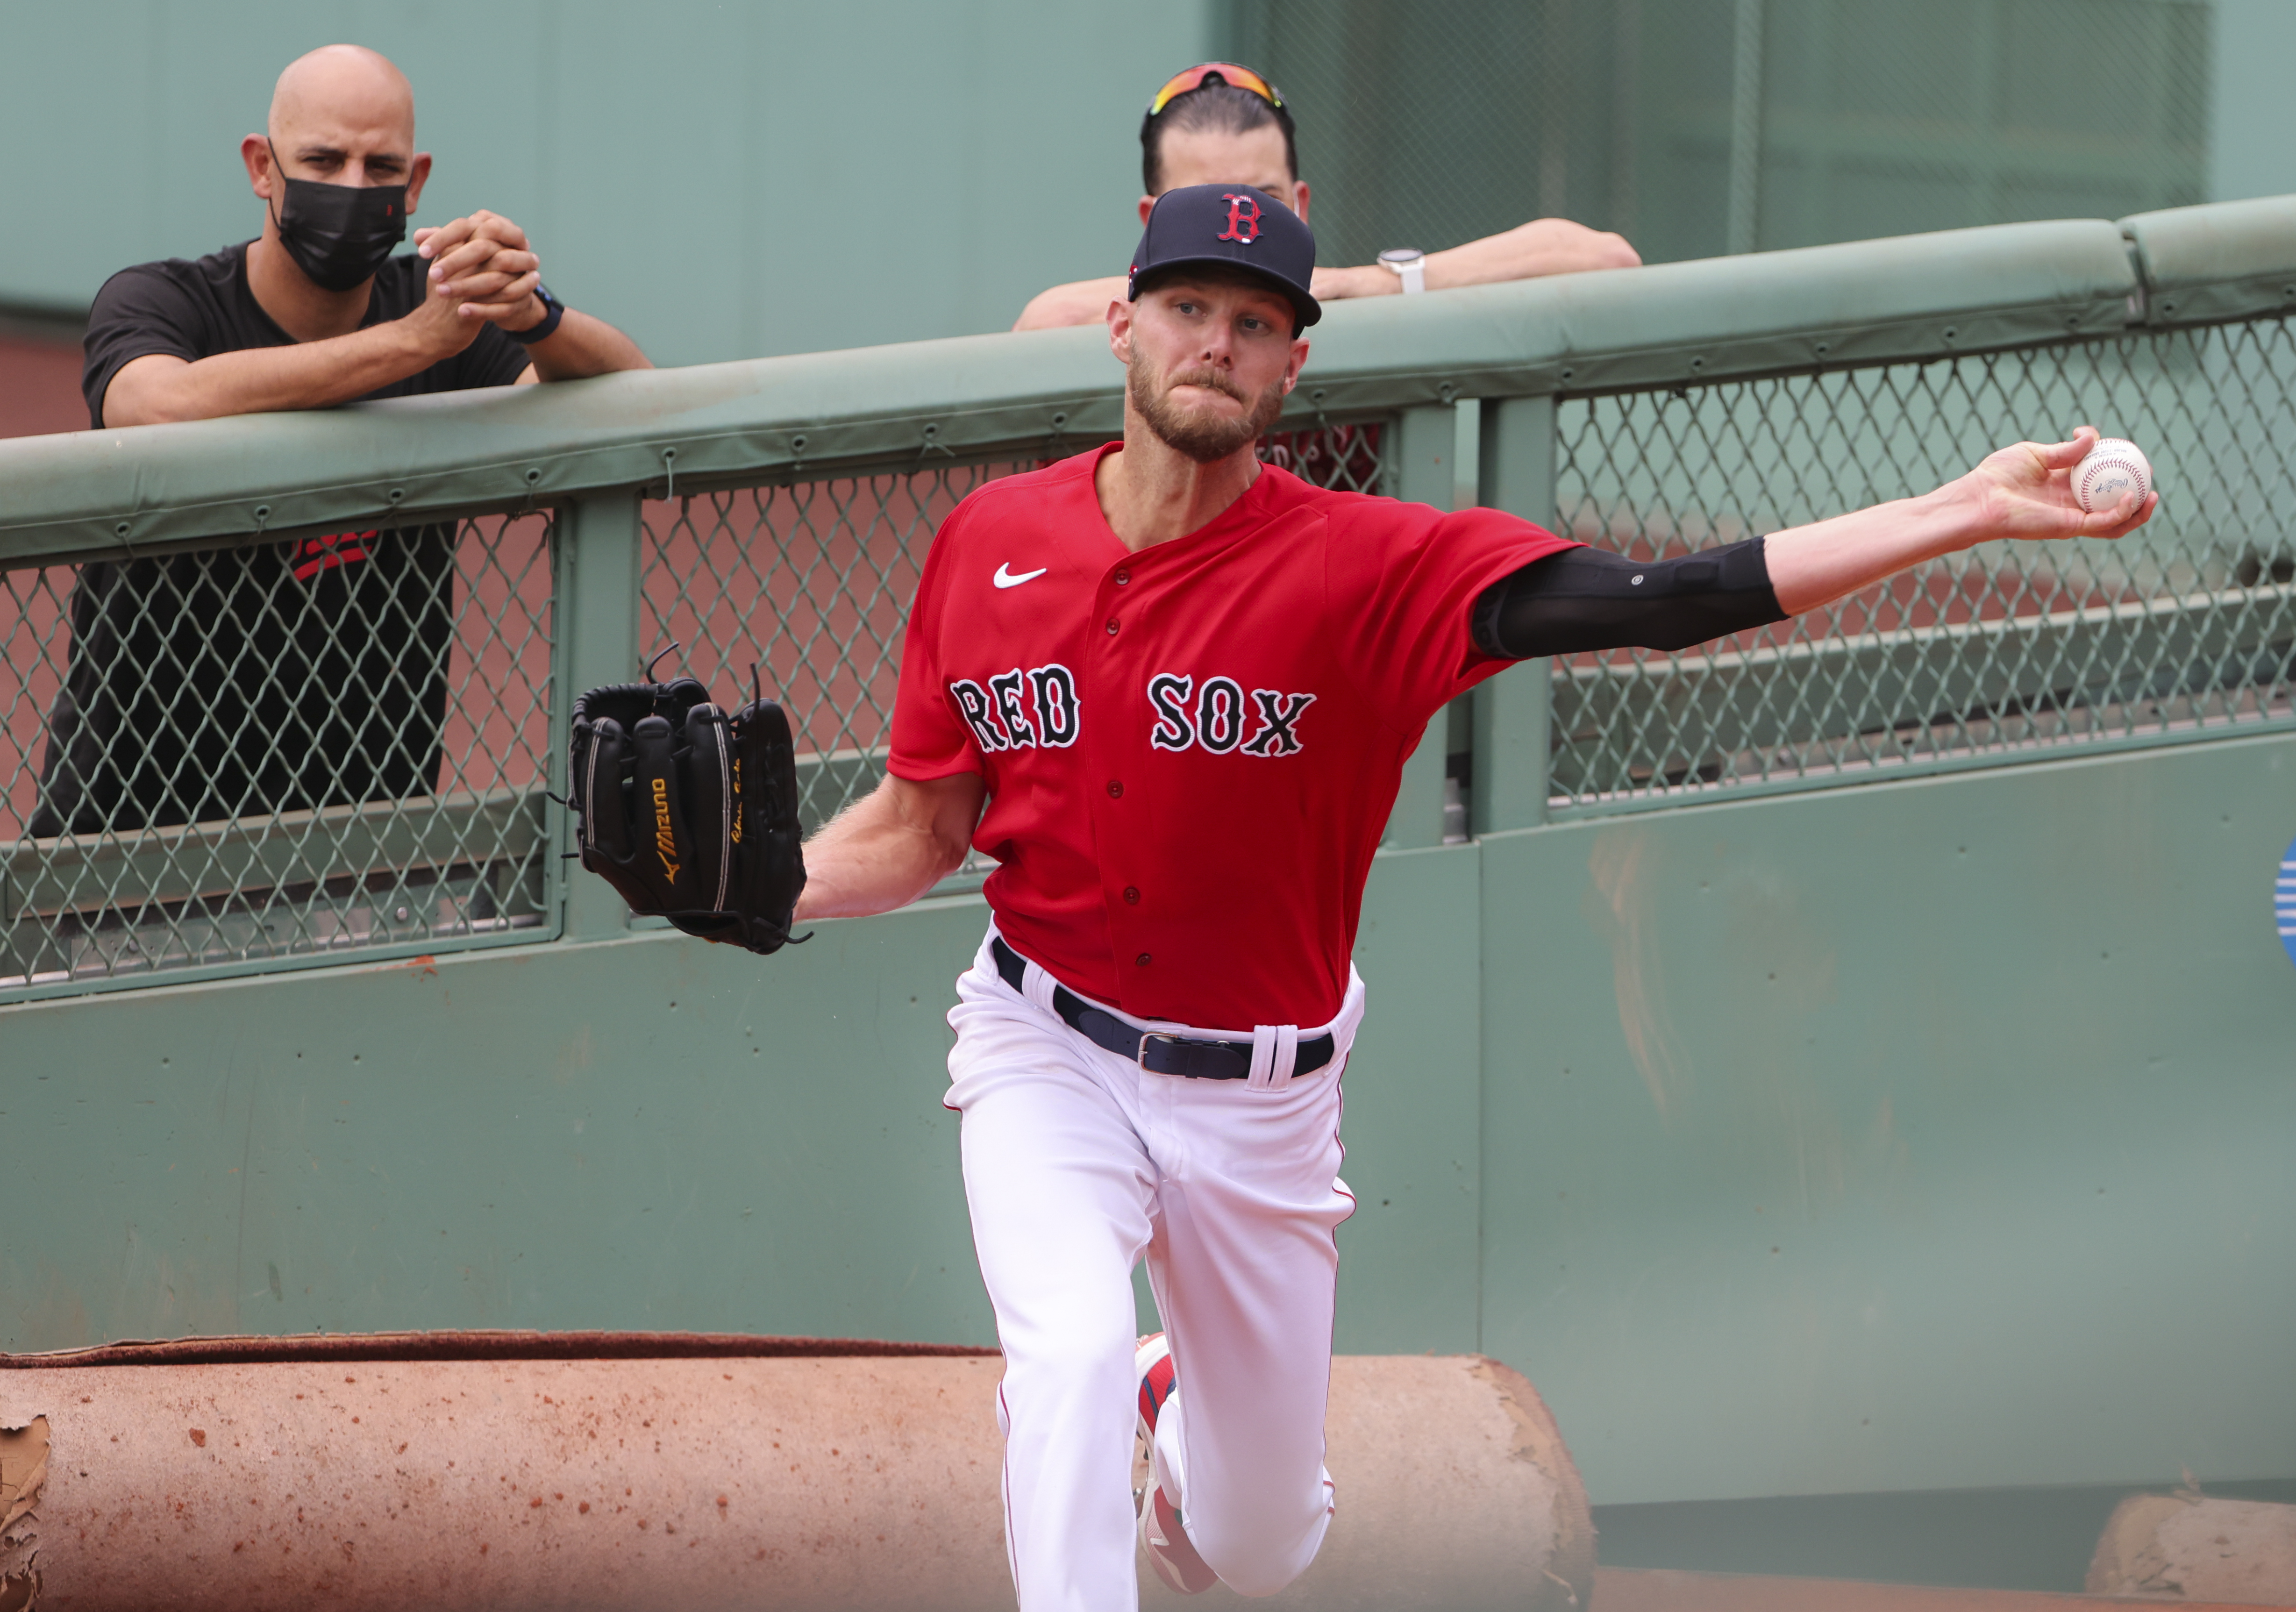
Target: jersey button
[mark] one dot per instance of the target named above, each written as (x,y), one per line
(1115,787)
(1141,960)
(1112,626)
(1132,894)
(1122,578)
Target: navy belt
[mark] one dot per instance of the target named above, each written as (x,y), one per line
(1190,1056)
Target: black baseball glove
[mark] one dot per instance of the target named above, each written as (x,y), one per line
(689,812)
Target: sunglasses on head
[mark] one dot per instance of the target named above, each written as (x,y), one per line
(1227,72)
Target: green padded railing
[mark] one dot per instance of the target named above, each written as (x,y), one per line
(232,744)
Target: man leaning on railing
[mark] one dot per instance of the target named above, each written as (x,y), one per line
(309,673)
(1221,124)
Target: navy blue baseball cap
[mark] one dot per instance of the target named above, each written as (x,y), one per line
(1234,224)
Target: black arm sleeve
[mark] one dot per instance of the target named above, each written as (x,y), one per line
(1587,598)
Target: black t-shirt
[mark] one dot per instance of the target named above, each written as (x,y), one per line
(194,310)
(306,672)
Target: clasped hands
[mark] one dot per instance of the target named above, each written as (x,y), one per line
(483,271)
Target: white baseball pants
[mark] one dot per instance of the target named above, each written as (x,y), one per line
(1077,1162)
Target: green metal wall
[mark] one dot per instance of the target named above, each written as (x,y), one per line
(1998,1066)
(733,180)
(721,180)
(1701,127)
(1917,1135)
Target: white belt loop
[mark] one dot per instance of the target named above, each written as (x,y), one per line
(1274,1053)
(1037,986)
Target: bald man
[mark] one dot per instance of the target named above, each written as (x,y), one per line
(309,673)
(315,310)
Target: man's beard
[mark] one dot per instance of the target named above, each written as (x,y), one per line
(1200,437)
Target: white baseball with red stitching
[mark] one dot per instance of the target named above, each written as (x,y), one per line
(2113,467)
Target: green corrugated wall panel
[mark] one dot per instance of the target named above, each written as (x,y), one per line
(1999,1066)
(1408,1261)
(2016,1119)
(642,1132)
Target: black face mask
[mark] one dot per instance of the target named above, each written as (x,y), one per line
(340,234)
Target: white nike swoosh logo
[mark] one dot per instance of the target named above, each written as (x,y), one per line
(1006,579)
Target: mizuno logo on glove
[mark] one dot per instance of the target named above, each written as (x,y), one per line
(665,842)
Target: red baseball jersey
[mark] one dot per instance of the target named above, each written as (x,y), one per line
(1191,752)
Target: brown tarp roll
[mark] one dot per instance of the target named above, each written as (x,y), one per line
(2188,1546)
(765,1480)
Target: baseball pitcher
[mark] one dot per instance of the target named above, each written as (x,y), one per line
(1169,690)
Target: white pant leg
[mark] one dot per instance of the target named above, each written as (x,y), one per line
(1244,1263)
(1061,1188)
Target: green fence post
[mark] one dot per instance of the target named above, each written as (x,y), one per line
(598,584)
(1508,788)
(1420,467)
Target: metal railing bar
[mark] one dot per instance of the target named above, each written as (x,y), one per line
(347,951)
(17,554)
(1810,652)
(205,860)
(1864,773)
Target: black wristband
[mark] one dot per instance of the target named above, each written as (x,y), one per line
(553,312)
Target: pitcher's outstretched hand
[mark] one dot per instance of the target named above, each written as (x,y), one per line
(2026,491)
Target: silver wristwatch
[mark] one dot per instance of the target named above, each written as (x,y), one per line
(1409,265)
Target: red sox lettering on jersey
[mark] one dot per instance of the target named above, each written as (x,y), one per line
(1020,711)
(1215,720)
(1000,721)
(1189,751)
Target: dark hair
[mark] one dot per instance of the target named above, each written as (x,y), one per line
(1217,105)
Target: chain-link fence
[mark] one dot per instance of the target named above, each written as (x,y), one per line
(251,753)
(268,750)
(223,754)
(2185,627)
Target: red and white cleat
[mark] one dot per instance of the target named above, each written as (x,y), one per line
(1169,1550)
(1151,1362)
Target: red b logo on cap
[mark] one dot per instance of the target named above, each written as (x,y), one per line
(1241,225)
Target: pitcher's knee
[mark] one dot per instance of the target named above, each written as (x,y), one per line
(1069,1356)
(1256,1575)
(1085,1326)
(1260,1555)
